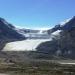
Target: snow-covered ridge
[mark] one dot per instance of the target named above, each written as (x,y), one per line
(64,22)
(56,32)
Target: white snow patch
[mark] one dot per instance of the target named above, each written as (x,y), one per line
(67,20)
(56,32)
(25,45)
(67,63)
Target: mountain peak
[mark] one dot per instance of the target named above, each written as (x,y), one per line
(2,20)
(8,30)
(65,25)
(69,24)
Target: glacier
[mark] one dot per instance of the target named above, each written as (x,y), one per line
(25,45)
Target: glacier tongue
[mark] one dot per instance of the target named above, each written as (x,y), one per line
(26,45)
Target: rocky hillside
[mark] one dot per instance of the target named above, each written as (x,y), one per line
(8,33)
(62,45)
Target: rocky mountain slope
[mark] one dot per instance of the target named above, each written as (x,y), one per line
(8,33)
(62,44)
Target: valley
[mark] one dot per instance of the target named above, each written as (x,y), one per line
(37,52)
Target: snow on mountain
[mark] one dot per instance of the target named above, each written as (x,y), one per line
(9,31)
(35,37)
(25,45)
(64,22)
(56,32)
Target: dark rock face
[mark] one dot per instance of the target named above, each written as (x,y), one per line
(67,42)
(8,33)
(67,26)
(57,27)
(64,47)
